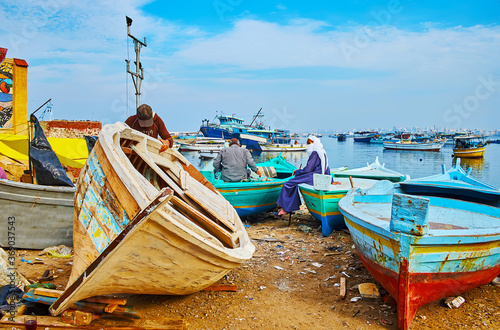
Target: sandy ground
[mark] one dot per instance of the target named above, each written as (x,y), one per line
(291,283)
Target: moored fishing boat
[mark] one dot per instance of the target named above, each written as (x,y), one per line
(278,147)
(454,183)
(422,249)
(40,216)
(323,204)
(249,196)
(148,222)
(282,167)
(469,146)
(374,170)
(428,145)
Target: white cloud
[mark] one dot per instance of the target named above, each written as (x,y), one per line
(76,52)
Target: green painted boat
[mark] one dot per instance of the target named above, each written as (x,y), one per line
(323,204)
(248,197)
(283,168)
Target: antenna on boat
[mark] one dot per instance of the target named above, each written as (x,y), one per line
(138,75)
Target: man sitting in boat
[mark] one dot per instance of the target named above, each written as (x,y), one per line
(289,198)
(232,162)
(148,122)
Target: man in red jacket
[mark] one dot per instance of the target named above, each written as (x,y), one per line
(148,122)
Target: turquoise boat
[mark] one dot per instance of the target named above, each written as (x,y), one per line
(283,168)
(323,204)
(248,197)
(422,249)
(454,183)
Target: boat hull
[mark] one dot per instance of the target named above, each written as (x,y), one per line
(470,152)
(250,198)
(323,206)
(282,147)
(40,216)
(133,236)
(414,146)
(416,268)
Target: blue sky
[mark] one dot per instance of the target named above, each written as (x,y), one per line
(316,65)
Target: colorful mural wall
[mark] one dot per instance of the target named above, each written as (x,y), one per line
(6,69)
(13,95)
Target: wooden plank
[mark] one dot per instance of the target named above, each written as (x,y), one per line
(216,205)
(129,203)
(343,290)
(98,299)
(53,322)
(107,300)
(48,292)
(222,287)
(222,234)
(110,308)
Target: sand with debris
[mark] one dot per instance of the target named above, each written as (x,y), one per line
(290,283)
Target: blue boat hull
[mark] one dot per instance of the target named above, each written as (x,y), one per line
(214,132)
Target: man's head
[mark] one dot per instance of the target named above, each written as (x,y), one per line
(145,115)
(234,141)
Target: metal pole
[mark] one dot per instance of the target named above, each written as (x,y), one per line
(138,75)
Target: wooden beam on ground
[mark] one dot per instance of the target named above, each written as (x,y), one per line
(222,287)
(343,290)
(53,322)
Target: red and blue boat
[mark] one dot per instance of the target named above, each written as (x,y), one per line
(422,249)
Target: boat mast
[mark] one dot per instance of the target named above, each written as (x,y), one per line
(138,75)
(255,117)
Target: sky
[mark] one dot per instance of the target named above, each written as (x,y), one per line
(311,66)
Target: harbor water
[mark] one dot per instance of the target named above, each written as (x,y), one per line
(417,164)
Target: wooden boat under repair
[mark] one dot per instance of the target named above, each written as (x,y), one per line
(421,249)
(40,216)
(323,203)
(148,223)
(374,171)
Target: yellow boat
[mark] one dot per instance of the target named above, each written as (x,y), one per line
(469,146)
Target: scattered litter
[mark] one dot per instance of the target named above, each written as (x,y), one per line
(316,264)
(268,239)
(302,273)
(496,281)
(454,302)
(334,248)
(38,259)
(278,267)
(386,322)
(304,228)
(356,313)
(27,261)
(283,287)
(368,291)
(330,277)
(262,287)
(336,284)
(60,249)
(344,273)
(246,226)
(355,299)
(282,252)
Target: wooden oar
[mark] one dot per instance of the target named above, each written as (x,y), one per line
(350,180)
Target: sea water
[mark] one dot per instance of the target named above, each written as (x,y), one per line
(416,164)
